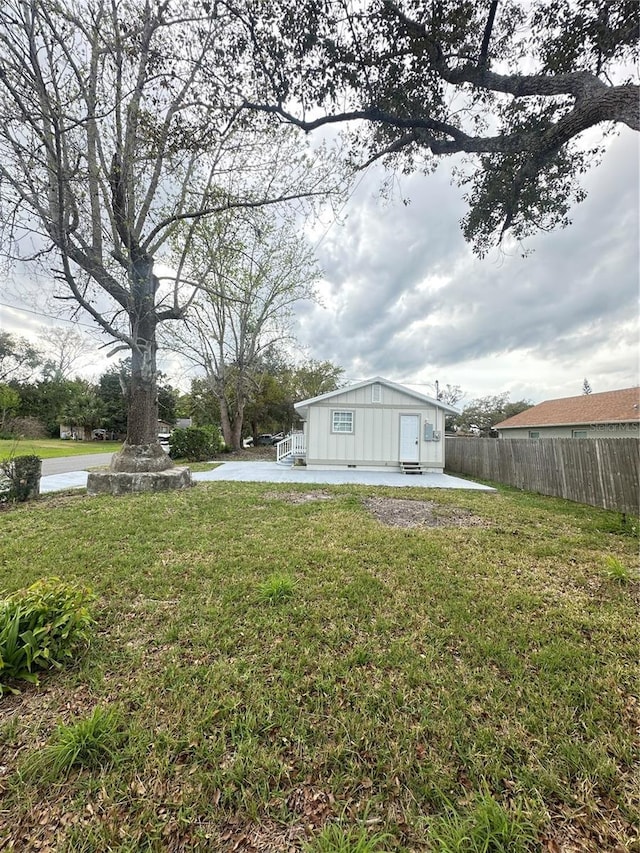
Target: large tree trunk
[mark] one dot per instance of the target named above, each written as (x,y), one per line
(231,423)
(142,450)
(236,434)
(225,422)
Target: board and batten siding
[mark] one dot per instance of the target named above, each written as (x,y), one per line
(375,439)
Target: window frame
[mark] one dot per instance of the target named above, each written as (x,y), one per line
(351,415)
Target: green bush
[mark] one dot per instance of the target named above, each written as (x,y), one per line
(20,478)
(42,627)
(196,444)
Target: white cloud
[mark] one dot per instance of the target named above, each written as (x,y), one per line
(405,297)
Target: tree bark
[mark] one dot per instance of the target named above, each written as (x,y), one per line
(225,422)
(142,450)
(236,434)
(231,424)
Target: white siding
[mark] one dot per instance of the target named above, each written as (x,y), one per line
(374,442)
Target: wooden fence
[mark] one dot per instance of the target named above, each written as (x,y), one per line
(597,471)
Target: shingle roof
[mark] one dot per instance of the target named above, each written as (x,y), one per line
(607,407)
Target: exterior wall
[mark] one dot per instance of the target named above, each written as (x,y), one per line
(79,433)
(628,430)
(375,440)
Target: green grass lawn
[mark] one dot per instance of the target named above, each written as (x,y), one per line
(276,669)
(51,448)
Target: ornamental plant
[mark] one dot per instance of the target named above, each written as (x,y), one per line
(44,626)
(20,477)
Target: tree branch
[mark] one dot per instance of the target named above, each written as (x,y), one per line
(483,59)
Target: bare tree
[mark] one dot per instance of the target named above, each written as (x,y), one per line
(253,269)
(115,129)
(64,351)
(450,394)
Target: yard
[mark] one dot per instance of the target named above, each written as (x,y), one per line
(52,448)
(331,669)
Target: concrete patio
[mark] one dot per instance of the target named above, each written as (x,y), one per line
(274,472)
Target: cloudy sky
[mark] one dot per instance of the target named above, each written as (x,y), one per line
(403,296)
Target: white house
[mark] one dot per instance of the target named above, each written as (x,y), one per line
(373,425)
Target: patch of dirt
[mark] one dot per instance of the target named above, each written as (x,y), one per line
(300,497)
(395,512)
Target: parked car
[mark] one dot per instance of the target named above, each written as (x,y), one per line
(265,440)
(277,437)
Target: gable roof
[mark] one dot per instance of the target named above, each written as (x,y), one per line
(607,407)
(423,398)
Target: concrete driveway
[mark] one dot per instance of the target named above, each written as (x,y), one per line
(274,472)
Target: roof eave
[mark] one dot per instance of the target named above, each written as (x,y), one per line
(304,404)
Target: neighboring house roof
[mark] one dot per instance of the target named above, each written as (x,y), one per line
(302,406)
(608,407)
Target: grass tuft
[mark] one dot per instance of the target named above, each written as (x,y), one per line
(486,827)
(89,743)
(336,839)
(616,570)
(276,588)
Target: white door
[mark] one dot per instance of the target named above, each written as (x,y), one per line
(409,438)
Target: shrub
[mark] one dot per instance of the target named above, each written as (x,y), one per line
(21,478)
(196,444)
(42,627)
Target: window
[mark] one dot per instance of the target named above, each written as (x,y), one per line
(376,392)
(534,433)
(341,421)
(578,433)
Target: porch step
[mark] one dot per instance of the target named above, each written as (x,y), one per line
(411,468)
